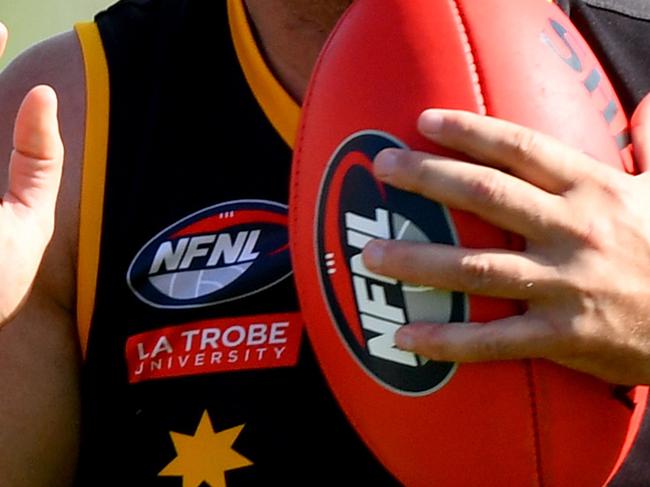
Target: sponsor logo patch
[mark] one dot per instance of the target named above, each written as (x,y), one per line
(367,309)
(218,254)
(217,345)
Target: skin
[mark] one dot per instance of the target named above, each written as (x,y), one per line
(584,273)
(39,360)
(601,328)
(292,33)
(27,207)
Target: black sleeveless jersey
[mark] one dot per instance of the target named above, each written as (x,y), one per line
(197,371)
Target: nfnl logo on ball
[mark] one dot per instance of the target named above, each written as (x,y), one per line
(218,254)
(367,309)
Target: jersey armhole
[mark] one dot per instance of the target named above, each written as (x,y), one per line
(93,174)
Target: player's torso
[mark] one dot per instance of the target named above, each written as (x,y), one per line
(197,366)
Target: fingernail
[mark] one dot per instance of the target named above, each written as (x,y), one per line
(430,122)
(373,254)
(386,162)
(404,339)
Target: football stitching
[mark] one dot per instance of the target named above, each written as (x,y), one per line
(469,55)
(482,110)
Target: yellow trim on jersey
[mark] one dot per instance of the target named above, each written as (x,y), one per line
(94,174)
(282,110)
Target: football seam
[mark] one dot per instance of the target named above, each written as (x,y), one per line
(469,56)
(481,101)
(295,194)
(530,377)
(294,191)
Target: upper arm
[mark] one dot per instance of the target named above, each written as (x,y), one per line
(39,358)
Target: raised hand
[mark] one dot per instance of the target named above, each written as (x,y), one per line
(585,274)
(27,207)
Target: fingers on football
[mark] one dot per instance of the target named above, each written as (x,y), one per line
(535,157)
(36,162)
(489,272)
(497,197)
(511,338)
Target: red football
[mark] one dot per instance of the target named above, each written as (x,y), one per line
(520,423)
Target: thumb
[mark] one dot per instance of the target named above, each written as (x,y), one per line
(640,128)
(37,159)
(3,38)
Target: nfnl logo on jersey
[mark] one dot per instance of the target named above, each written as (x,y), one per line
(218,254)
(367,309)
(218,345)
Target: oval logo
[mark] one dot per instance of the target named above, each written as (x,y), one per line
(367,309)
(217,254)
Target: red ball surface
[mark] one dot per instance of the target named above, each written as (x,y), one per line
(523,423)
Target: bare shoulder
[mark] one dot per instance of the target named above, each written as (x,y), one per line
(57,62)
(39,358)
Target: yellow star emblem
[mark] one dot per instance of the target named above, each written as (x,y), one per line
(205,456)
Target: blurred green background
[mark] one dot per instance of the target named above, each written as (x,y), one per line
(30,21)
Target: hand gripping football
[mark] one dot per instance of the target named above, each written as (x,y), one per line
(517,423)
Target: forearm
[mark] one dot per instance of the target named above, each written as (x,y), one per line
(39,411)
